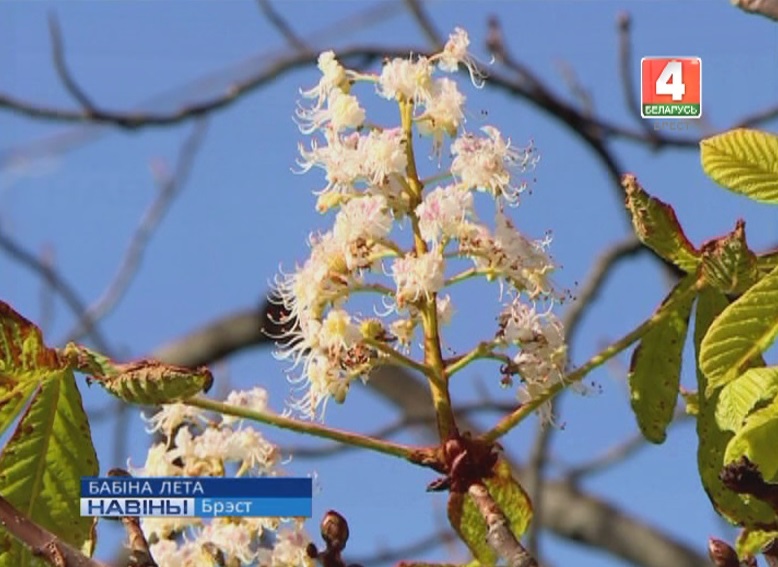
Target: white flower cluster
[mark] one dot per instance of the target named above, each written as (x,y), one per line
(373,182)
(197,445)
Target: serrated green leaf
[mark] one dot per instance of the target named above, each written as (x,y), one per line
(727,262)
(657,226)
(470,525)
(752,541)
(740,396)
(743,161)
(756,440)
(149,382)
(712,439)
(743,331)
(50,447)
(42,465)
(655,370)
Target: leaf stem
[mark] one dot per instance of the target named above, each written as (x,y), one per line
(690,286)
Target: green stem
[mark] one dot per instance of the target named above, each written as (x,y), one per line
(481,351)
(433,357)
(397,357)
(691,286)
(309,428)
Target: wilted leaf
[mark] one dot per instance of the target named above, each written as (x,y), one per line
(740,396)
(148,382)
(712,439)
(470,525)
(655,370)
(743,331)
(727,262)
(743,161)
(657,226)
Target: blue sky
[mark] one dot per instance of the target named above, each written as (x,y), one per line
(243,212)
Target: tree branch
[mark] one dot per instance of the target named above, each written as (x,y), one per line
(42,542)
(499,534)
(566,511)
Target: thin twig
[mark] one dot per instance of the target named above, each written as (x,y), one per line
(282,26)
(626,70)
(425,23)
(58,55)
(57,283)
(615,455)
(128,267)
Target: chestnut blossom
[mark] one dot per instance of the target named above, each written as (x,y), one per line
(509,255)
(394,222)
(443,113)
(444,213)
(418,276)
(341,111)
(542,357)
(484,163)
(405,79)
(205,448)
(334,76)
(455,53)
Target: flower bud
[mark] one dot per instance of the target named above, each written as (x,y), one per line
(334,531)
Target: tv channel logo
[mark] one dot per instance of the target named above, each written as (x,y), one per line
(671,87)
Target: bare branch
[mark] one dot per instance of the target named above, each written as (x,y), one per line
(625,69)
(128,267)
(425,23)
(282,26)
(615,455)
(58,54)
(499,534)
(42,542)
(57,283)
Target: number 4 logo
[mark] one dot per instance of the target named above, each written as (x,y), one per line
(671,87)
(670,82)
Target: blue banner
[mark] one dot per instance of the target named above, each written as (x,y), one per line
(196,487)
(157,507)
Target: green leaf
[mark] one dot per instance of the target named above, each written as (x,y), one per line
(470,525)
(148,382)
(756,440)
(657,226)
(655,371)
(728,264)
(752,541)
(712,439)
(51,448)
(42,465)
(743,331)
(740,396)
(743,161)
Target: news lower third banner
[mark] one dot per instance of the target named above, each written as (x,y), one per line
(203,497)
